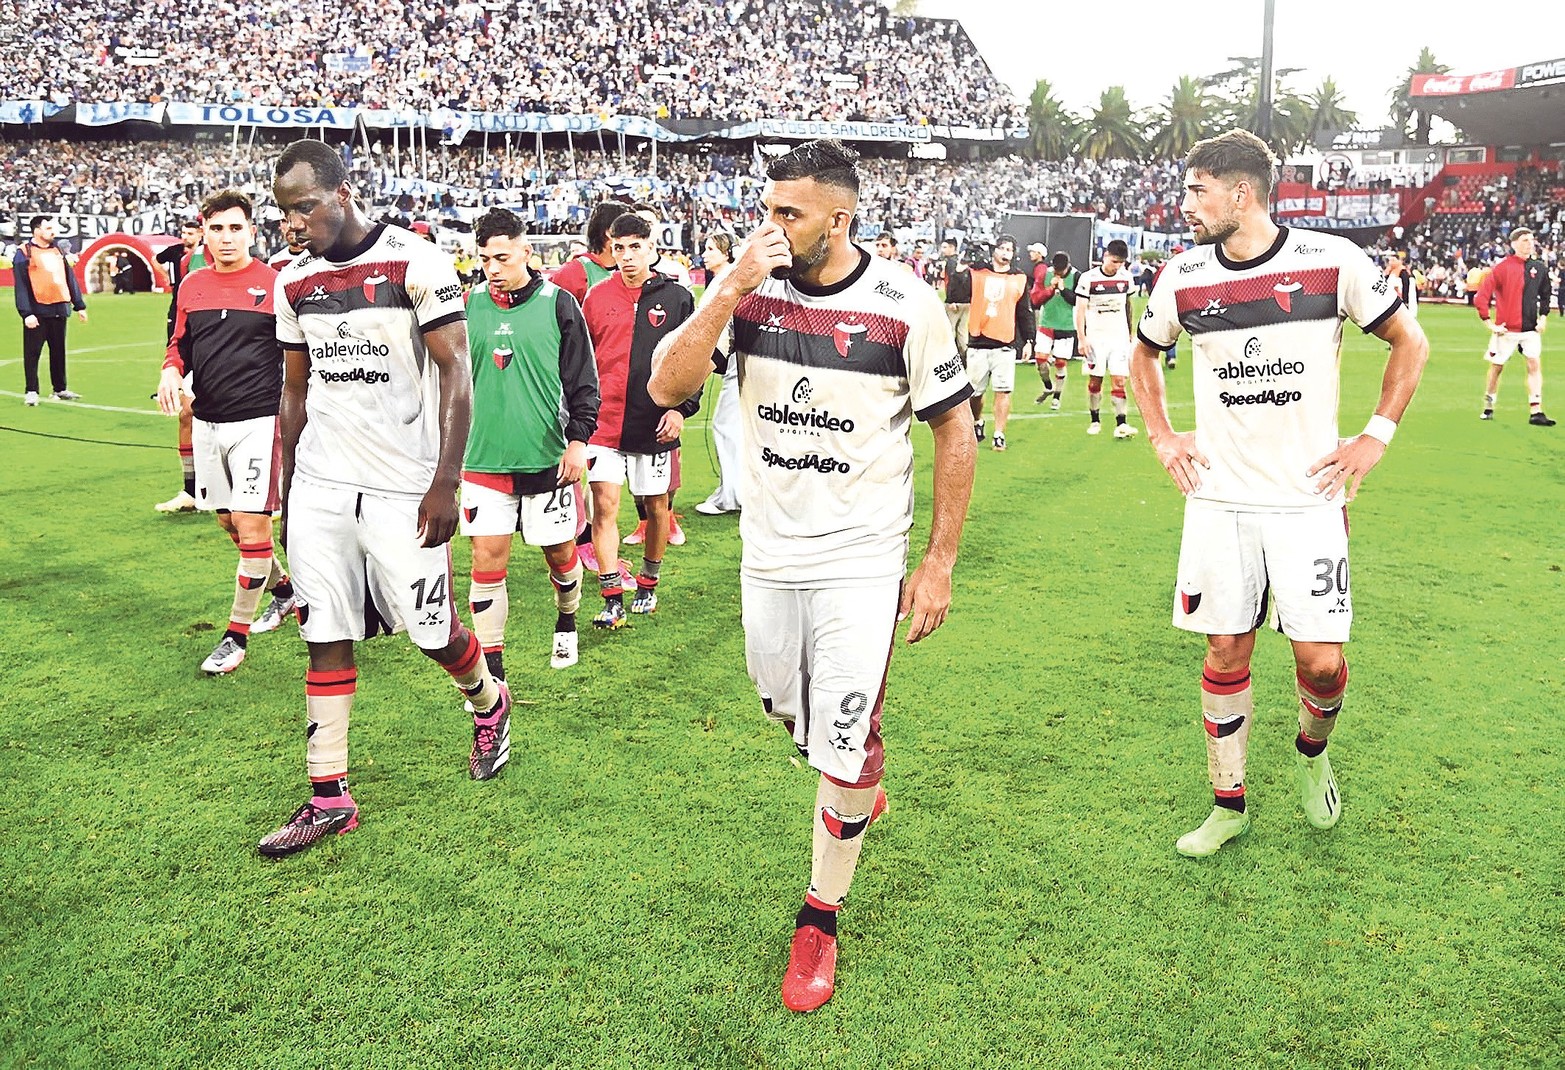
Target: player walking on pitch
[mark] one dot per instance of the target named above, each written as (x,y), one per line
(1518,291)
(837,351)
(225,339)
(535,405)
(1103,318)
(1263,471)
(376,405)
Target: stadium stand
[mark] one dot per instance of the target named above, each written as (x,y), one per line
(817,59)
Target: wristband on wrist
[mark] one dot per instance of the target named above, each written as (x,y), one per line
(1381,428)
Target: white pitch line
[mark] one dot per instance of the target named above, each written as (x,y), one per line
(89,405)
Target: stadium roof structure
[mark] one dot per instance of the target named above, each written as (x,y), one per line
(1522,105)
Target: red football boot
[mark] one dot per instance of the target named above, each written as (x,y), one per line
(812,969)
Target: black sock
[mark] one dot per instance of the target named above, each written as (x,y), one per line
(1236,803)
(641,510)
(1310,748)
(1119,419)
(190,484)
(565,622)
(495,659)
(283,590)
(240,638)
(824,920)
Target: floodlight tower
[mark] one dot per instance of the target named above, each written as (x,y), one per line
(1263,117)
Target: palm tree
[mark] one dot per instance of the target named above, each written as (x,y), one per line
(1051,128)
(1403,107)
(1111,131)
(1290,122)
(1328,111)
(1183,120)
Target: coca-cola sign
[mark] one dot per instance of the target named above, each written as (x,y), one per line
(1453,85)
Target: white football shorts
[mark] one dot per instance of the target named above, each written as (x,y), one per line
(1501,346)
(358,565)
(994,368)
(819,657)
(1233,564)
(237,464)
(646,473)
(541,519)
(1107,359)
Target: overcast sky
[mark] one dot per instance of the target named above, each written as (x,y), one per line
(1145,45)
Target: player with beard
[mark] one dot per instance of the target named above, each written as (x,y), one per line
(1000,330)
(535,405)
(376,405)
(838,351)
(1261,473)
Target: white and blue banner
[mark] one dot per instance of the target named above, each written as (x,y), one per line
(28,111)
(123,111)
(181,113)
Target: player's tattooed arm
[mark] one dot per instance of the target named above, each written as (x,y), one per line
(926,597)
(1176,451)
(437,512)
(1344,468)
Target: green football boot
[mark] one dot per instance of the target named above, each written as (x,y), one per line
(1220,826)
(1318,791)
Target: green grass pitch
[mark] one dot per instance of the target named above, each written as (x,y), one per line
(622,895)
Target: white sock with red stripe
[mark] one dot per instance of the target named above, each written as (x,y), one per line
(1318,712)
(842,813)
(491,605)
(470,673)
(328,700)
(1227,708)
(255,566)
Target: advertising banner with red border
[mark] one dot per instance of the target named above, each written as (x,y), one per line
(1456,85)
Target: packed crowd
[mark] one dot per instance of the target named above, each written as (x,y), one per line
(698,186)
(815,59)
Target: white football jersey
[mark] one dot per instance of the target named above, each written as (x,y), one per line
(829,381)
(1107,299)
(1267,336)
(373,402)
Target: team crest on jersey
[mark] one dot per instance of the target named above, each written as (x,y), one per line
(1189,601)
(1283,293)
(843,335)
(370,284)
(656,315)
(843,828)
(257,296)
(503,358)
(469,512)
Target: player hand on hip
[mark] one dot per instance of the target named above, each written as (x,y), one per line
(437,516)
(926,598)
(573,463)
(1346,466)
(670,426)
(765,250)
(1178,455)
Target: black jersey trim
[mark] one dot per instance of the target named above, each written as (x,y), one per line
(837,287)
(440,321)
(360,249)
(1374,324)
(945,404)
(1150,344)
(1245,265)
